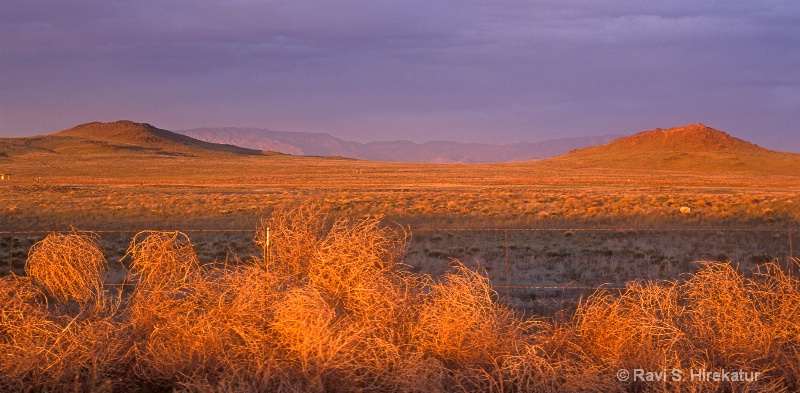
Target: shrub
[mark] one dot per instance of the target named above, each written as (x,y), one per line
(54,346)
(68,266)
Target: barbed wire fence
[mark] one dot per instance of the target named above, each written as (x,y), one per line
(507,265)
(14,244)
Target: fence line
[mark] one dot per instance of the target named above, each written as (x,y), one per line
(602,286)
(507,287)
(609,229)
(43,232)
(446,229)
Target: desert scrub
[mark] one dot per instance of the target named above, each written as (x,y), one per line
(58,328)
(68,266)
(332,308)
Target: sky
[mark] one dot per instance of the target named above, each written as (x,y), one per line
(497,71)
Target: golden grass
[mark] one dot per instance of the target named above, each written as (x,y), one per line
(50,348)
(194,193)
(333,309)
(68,266)
(459,320)
(162,259)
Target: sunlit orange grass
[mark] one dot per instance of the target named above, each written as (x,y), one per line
(198,326)
(318,343)
(342,320)
(342,314)
(726,317)
(716,319)
(50,346)
(24,330)
(293,238)
(68,266)
(356,266)
(637,329)
(161,259)
(460,324)
(553,360)
(747,323)
(780,305)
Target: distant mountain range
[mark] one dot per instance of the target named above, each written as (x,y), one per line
(318,144)
(692,148)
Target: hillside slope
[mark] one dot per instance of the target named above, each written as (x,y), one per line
(117,139)
(693,147)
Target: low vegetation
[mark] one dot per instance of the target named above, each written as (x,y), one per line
(28,206)
(329,306)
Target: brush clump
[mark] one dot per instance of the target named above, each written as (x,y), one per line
(68,266)
(58,327)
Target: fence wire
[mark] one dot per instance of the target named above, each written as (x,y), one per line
(12,236)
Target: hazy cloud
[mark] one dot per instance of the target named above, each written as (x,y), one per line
(368,70)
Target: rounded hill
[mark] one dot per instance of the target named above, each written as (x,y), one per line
(122,131)
(693,147)
(691,138)
(125,134)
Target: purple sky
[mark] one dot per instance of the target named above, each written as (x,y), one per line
(467,70)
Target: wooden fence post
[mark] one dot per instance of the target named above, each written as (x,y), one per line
(266,248)
(508,275)
(10,252)
(790,262)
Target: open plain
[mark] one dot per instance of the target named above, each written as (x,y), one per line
(129,176)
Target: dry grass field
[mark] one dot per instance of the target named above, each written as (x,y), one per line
(235,192)
(390,277)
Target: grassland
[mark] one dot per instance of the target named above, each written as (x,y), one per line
(201,192)
(184,193)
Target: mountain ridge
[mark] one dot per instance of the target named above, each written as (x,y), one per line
(439,151)
(691,148)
